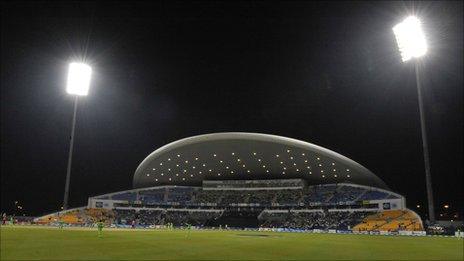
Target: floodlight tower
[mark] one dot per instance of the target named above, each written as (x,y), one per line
(412,44)
(78,85)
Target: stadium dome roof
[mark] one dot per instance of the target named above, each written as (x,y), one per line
(238,156)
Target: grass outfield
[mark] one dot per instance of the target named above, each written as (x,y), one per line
(84,244)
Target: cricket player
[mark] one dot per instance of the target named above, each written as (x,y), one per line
(100,228)
(189,227)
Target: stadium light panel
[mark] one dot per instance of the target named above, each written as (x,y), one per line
(78,79)
(410,38)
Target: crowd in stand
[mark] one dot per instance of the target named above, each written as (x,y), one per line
(340,220)
(199,206)
(331,194)
(254,183)
(162,217)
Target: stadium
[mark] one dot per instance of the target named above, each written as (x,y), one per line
(237,196)
(250,180)
(232,130)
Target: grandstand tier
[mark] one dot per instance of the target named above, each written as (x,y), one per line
(249,180)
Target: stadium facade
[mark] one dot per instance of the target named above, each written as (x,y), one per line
(253,180)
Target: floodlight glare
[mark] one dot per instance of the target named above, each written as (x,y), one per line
(410,38)
(78,79)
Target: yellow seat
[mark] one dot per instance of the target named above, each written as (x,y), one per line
(391,220)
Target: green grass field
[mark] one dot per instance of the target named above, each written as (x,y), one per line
(84,244)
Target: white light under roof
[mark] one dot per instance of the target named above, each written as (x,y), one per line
(410,38)
(78,79)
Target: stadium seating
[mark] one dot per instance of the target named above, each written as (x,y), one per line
(151,217)
(346,194)
(152,196)
(288,197)
(374,195)
(180,194)
(124,216)
(129,196)
(329,194)
(390,220)
(267,204)
(341,220)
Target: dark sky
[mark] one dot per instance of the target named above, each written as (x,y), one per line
(326,73)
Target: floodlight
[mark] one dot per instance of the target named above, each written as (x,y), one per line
(78,79)
(410,38)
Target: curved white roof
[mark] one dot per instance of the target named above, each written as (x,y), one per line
(239,155)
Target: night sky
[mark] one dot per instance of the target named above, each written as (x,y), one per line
(326,73)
